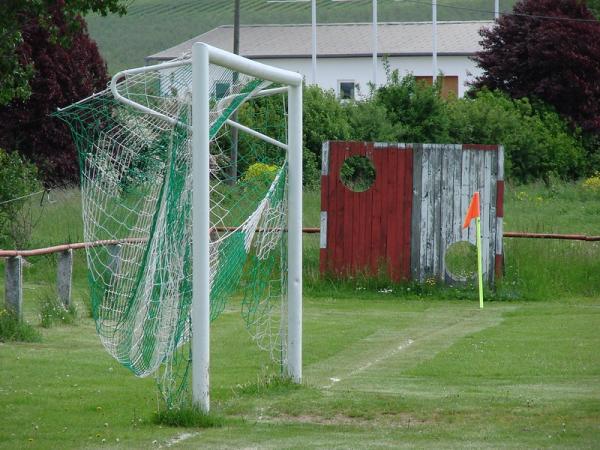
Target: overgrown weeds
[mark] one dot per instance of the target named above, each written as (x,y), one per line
(267,382)
(53,311)
(15,330)
(188,417)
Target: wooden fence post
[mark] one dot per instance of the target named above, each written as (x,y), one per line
(64,275)
(13,285)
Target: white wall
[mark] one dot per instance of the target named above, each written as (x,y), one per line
(332,70)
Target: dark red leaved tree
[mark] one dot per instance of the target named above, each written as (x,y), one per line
(68,67)
(553,59)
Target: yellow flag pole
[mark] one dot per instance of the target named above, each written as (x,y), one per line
(479,264)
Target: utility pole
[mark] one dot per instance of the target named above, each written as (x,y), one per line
(234,131)
(374,43)
(434,39)
(313,14)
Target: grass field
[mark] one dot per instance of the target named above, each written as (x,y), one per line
(382,373)
(154,25)
(400,367)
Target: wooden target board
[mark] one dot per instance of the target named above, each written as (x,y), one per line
(404,223)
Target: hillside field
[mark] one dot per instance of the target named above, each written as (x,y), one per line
(154,25)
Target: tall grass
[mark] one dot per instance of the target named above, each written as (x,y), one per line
(535,269)
(13,329)
(541,269)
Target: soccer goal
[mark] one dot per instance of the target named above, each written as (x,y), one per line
(191,215)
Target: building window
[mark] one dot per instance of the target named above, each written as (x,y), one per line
(221,90)
(346,89)
(449,84)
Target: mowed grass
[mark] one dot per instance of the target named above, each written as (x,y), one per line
(155,25)
(397,367)
(378,373)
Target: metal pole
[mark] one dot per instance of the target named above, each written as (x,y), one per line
(314,40)
(200,228)
(496,9)
(294,369)
(434,43)
(234,132)
(374,37)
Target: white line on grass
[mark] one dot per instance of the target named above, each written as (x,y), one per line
(364,367)
(177,439)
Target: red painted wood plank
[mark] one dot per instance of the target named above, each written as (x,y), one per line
(349,223)
(498,266)
(340,194)
(386,176)
(368,218)
(392,213)
(359,214)
(407,196)
(334,207)
(405,215)
(356,198)
(377,248)
(348,226)
(399,214)
(500,198)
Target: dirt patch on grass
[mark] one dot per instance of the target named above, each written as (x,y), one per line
(400,420)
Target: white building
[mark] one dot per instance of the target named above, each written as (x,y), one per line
(344,51)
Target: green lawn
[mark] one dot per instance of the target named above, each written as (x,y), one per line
(154,25)
(401,367)
(378,373)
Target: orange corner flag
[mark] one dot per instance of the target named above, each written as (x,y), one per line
(473,210)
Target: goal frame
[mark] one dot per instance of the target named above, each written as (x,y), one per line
(202,56)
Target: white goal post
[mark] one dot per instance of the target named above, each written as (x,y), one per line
(203,56)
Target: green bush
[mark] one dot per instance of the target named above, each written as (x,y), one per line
(324,119)
(369,122)
(358,173)
(18,179)
(416,110)
(538,143)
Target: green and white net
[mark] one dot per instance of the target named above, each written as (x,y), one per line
(136,185)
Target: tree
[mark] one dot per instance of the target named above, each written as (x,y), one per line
(594,7)
(554,60)
(15,72)
(62,75)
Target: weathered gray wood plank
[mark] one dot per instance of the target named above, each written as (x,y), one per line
(485,177)
(416,225)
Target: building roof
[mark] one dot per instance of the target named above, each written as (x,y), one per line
(338,40)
